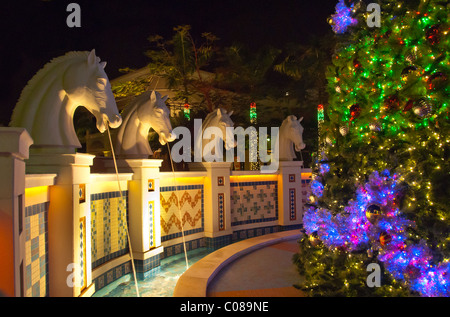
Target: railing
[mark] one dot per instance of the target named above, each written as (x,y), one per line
(65,227)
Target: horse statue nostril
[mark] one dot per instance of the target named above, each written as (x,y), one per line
(115,121)
(172,137)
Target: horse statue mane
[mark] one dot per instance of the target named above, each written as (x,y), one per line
(146,111)
(221,119)
(291,134)
(47,104)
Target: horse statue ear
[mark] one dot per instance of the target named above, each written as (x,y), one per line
(165,98)
(103,64)
(219,112)
(230,113)
(92,58)
(300,120)
(293,118)
(153,96)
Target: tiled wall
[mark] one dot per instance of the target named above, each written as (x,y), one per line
(306,188)
(108,231)
(253,202)
(36,250)
(189,199)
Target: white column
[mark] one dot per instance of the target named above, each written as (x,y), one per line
(14,149)
(217,209)
(290,205)
(69,238)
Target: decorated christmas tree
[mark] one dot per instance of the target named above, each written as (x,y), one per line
(381,181)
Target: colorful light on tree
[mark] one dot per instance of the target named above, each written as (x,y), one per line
(387,111)
(342,19)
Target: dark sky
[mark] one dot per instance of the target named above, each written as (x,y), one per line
(35,31)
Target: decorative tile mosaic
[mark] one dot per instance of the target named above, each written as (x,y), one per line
(253,202)
(178,248)
(83,252)
(191,204)
(151,185)
(82,193)
(151,213)
(306,189)
(112,275)
(221,209)
(36,250)
(292,204)
(108,231)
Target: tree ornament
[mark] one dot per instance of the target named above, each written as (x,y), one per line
(356,63)
(355,110)
(371,253)
(373,213)
(392,102)
(343,130)
(314,239)
(342,19)
(433,35)
(412,272)
(385,238)
(406,72)
(375,126)
(411,57)
(423,107)
(409,105)
(436,81)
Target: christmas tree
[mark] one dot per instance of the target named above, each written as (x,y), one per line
(380,188)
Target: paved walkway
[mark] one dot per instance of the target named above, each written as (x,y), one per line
(267,272)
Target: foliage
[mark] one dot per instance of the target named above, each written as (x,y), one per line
(388,111)
(180,61)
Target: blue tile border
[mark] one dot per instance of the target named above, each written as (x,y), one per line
(185,187)
(101,196)
(109,257)
(37,209)
(239,184)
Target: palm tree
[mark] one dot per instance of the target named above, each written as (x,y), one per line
(181,61)
(307,65)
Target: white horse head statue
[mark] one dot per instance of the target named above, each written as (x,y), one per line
(221,119)
(47,104)
(146,111)
(291,134)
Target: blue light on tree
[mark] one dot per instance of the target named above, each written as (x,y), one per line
(342,19)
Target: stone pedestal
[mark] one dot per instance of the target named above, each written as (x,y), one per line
(290,205)
(217,217)
(69,222)
(14,149)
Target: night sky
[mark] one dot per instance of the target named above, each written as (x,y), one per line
(35,31)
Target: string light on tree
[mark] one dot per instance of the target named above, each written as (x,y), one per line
(383,195)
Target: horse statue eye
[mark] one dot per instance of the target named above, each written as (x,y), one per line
(101,82)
